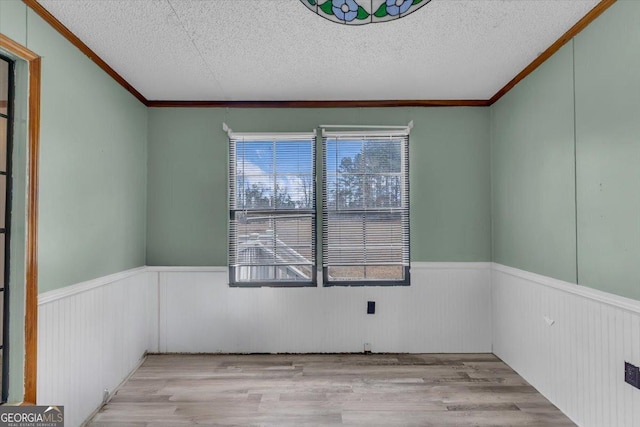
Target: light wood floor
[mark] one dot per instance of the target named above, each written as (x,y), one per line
(327,390)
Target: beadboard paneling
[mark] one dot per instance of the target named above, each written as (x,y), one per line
(447,308)
(570,343)
(91,336)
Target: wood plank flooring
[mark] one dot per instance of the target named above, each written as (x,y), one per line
(327,390)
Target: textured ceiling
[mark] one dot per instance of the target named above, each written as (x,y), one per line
(279,50)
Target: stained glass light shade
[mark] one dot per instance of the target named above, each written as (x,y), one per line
(360,12)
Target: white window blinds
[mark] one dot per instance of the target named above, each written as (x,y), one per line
(272,209)
(365,208)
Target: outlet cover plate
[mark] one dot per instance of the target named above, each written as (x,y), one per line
(371,307)
(632,375)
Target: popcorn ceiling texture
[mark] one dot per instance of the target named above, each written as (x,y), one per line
(279,50)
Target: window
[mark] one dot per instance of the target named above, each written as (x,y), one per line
(365,208)
(272,203)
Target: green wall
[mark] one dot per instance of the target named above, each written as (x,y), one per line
(13,20)
(565,155)
(545,180)
(92,196)
(187,192)
(92,211)
(93,167)
(607,80)
(532,166)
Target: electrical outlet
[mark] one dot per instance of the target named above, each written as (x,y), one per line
(371,307)
(631,375)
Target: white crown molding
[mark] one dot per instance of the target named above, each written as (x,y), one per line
(627,304)
(623,303)
(414,265)
(422,265)
(56,294)
(187,269)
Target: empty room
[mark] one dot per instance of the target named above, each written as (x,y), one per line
(320,213)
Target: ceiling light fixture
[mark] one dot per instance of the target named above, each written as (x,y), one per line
(360,12)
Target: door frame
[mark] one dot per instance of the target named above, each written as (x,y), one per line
(31,279)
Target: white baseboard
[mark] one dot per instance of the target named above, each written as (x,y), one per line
(114,391)
(182,269)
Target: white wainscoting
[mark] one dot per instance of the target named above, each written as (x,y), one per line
(570,342)
(91,336)
(447,308)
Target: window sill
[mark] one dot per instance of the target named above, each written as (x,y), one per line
(365,283)
(272,285)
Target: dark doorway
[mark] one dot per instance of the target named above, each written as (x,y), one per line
(7,68)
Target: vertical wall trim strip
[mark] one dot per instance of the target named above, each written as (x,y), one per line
(575,152)
(31,291)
